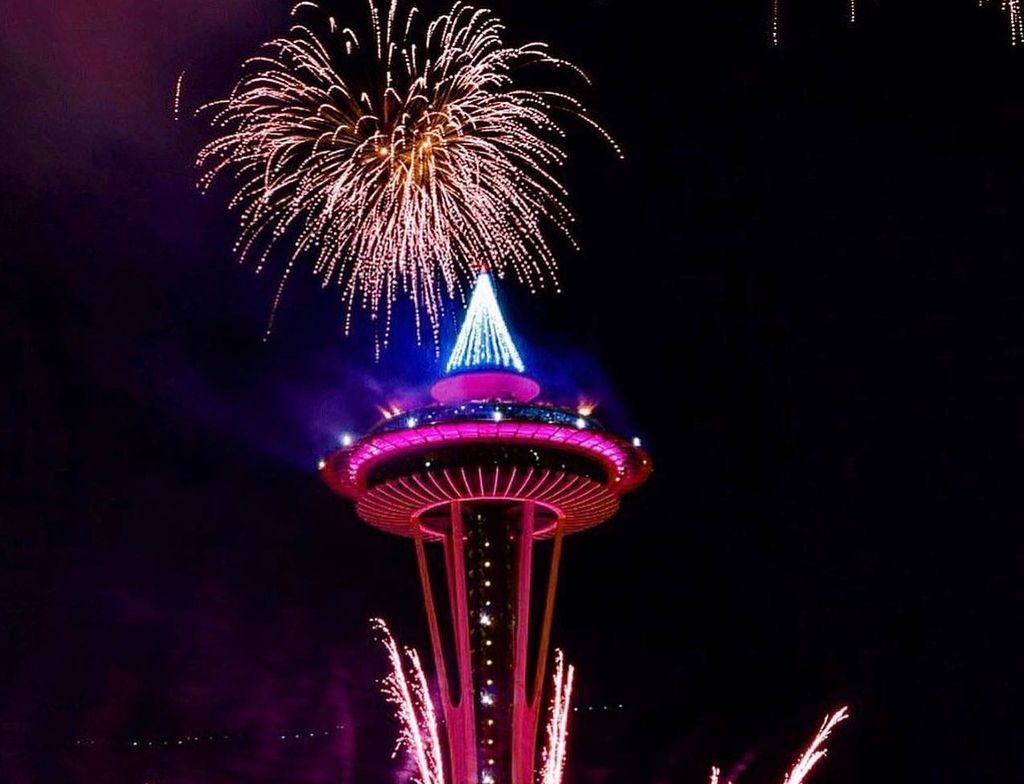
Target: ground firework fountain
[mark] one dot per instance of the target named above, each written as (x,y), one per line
(482,478)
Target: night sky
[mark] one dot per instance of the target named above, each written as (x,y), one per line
(804,287)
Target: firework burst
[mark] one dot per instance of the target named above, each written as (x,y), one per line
(1016,17)
(399,160)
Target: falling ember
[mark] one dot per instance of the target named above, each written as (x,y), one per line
(553,756)
(853,11)
(178,84)
(401,160)
(1013,9)
(776,12)
(814,752)
(414,709)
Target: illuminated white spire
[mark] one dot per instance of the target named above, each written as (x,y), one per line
(484,341)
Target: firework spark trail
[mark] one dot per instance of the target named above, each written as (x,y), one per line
(178,85)
(401,161)
(1013,9)
(553,757)
(428,718)
(419,725)
(414,709)
(811,756)
(814,752)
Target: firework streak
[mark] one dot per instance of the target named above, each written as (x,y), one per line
(553,758)
(811,755)
(398,160)
(414,709)
(814,752)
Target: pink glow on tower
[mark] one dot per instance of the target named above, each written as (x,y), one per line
(486,482)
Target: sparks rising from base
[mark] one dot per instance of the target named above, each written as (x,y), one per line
(812,754)
(414,709)
(553,759)
(419,735)
(400,159)
(1014,13)
(1014,10)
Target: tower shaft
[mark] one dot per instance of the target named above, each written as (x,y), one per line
(490,663)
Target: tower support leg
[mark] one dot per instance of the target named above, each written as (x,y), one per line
(536,700)
(458,714)
(523,749)
(455,562)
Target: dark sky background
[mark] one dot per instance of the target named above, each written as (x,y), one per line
(803,286)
